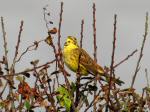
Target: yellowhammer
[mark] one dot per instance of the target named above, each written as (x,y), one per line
(75,57)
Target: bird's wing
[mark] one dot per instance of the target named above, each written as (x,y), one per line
(92,66)
(88,62)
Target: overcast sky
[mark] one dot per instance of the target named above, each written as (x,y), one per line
(130,30)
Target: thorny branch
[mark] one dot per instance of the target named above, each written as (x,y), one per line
(59,28)
(94,33)
(81,33)
(112,62)
(95,46)
(114,47)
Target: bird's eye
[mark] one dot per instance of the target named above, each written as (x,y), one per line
(68,41)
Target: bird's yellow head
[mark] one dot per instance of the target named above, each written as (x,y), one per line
(71,42)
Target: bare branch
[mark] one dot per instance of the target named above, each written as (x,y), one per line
(114,47)
(5,44)
(18,42)
(29,48)
(146,74)
(141,51)
(81,33)
(29,70)
(125,59)
(95,47)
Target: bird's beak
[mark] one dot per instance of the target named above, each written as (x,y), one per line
(65,44)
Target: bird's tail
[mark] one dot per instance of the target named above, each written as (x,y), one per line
(113,79)
(107,76)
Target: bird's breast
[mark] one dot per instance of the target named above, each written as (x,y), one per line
(71,59)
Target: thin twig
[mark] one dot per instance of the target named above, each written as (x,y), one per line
(125,59)
(112,60)
(59,30)
(29,48)
(95,46)
(50,97)
(93,101)
(114,47)
(9,81)
(50,37)
(146,74)
(59,62)
(113,50)
(81,33)
(141,51)
(5,44)
(3,89)
(94,33)
(49,86)
(18,42)
(44,16)
(29,70)
(78,98)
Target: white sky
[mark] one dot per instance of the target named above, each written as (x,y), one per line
(130,30)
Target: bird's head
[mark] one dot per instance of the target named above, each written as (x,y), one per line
(71,41)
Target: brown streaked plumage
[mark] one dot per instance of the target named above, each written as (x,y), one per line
(71,54)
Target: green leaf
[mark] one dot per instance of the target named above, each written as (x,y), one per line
(73,87)
(64,97)
(147,89)
(63,91)
(1,105)
(27,104)
(67,103)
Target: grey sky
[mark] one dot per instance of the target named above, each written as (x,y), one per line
(130,30)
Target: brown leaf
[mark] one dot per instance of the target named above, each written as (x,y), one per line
(53,31)
(48,40)
(25,90)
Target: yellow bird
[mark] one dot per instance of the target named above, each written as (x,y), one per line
(75,57)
